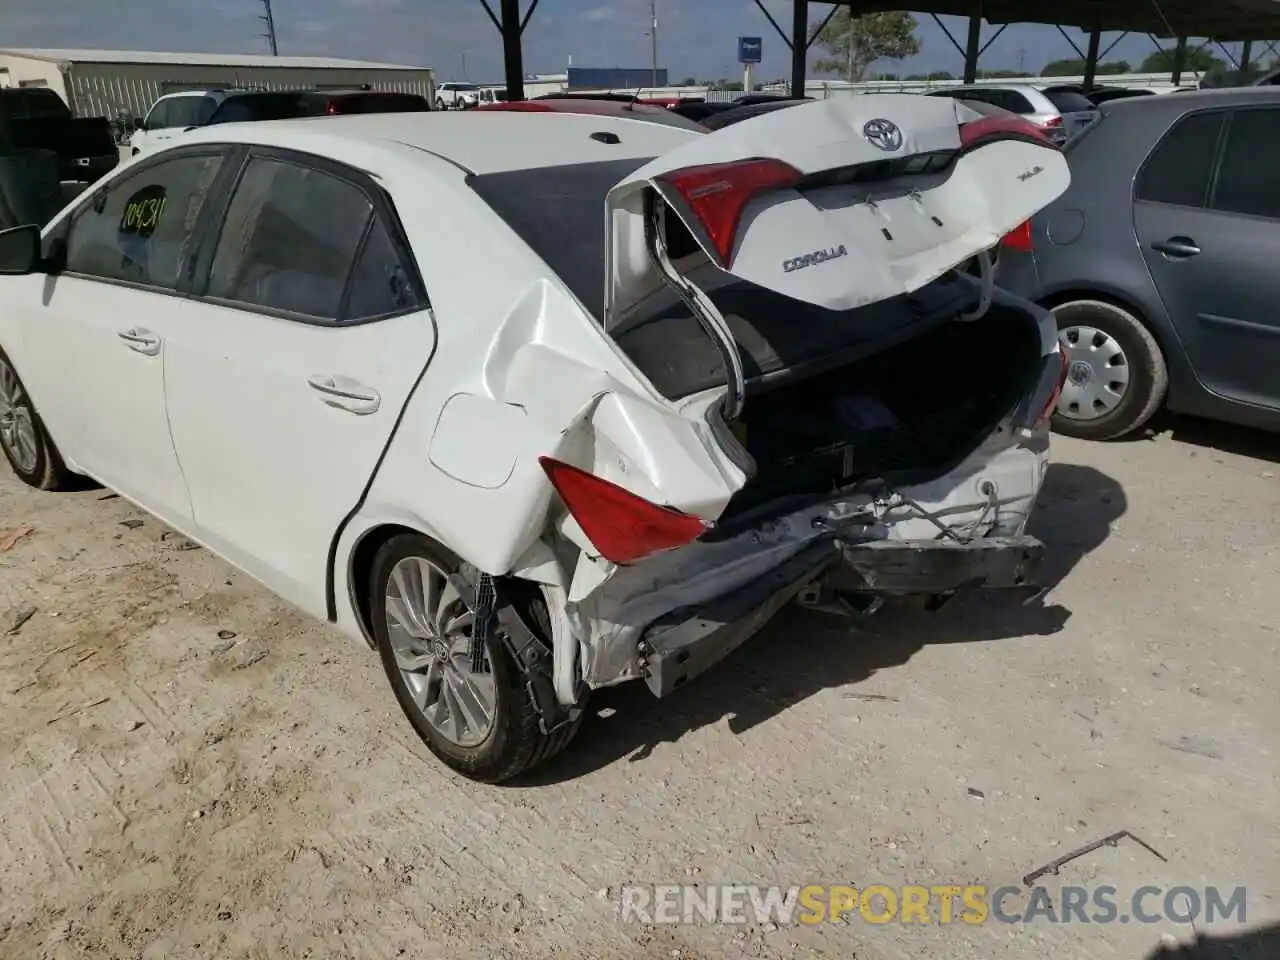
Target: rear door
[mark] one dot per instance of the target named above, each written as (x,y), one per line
(1209,241)
(285,382)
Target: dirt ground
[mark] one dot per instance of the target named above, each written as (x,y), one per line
(191,769)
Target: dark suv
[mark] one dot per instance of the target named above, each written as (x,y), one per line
(1160,262)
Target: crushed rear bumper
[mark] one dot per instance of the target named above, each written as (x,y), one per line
(687,642)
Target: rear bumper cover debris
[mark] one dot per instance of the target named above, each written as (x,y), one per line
(687,642)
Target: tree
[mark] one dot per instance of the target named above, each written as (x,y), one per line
(1075,68)
(855,43)
(1197,61)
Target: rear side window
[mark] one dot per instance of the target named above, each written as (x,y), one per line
(290,239)
(382,284)
(1179,168)
(190,111)
(1247,180)
(1067,102)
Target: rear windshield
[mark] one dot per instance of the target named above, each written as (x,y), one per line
(559,213)
(1067,102)
(380,103)
(267,106)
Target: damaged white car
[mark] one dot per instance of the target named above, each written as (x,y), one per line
(714,372)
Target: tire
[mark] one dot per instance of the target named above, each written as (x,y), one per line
(1085,410)
(513,743)
(36,462)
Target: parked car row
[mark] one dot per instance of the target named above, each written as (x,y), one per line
(718,370)
(178,113)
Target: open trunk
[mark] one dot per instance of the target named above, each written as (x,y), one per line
(899,391)
(905,415)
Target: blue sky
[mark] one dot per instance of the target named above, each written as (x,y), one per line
(696,37)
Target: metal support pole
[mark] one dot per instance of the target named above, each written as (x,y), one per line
(653,41)
(1179,61)
(799,45)
(973,46)
(512,54)
(1245,54)
(1091,58)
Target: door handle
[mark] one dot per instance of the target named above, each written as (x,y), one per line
(346,394)
(140,341)
(1177,248)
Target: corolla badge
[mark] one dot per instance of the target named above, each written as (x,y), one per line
(813,259)
(883,134)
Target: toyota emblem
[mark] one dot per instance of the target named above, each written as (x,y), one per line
(883,134)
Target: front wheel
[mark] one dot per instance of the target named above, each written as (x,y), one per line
(23,437)
(473,713)
(1116,375)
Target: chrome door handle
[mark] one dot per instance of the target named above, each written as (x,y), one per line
(346,394)
(140,341)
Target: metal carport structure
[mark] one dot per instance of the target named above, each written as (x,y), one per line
(1221,20)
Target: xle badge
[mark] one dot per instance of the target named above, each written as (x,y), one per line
(813,259)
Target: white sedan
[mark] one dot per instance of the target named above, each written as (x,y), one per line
(715,372)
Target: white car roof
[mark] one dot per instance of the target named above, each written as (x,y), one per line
(478,142)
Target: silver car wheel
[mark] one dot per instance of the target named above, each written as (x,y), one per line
(429,627)
(17,425)
(1097,373)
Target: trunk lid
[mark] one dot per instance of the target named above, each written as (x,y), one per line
(836,203)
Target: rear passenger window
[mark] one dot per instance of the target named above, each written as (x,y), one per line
(290,240)
(1179,168)
(381,283)
(1247,180)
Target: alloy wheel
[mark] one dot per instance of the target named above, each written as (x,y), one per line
(17,422)
(1098,373)
(429,626)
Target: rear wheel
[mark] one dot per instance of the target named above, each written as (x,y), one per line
(473,714)
(23,438)
(1116,375)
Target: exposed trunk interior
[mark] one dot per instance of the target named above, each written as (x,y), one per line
(905,415)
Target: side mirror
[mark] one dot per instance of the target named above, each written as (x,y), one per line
(20,250)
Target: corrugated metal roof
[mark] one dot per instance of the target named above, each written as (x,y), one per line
(199,59)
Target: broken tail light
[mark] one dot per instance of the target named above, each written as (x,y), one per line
(1019,238)
(1012,127)
(1063,366)
(716,194)
(623,526)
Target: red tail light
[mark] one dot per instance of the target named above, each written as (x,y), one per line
(623,527)
(717,193)
(1052,405)
(331,108)
(1019,238)
(1052,123)
(978,132)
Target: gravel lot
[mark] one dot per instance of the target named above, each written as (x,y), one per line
(192,769)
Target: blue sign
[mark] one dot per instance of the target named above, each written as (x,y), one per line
(750,49)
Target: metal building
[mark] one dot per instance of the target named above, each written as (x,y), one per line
(114,82)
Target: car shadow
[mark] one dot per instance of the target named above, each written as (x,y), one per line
(1226,437)
(1260,944)
(801,652)
(1211,435)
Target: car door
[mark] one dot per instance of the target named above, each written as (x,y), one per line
(94,335)
(291,370)
(1209,240)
